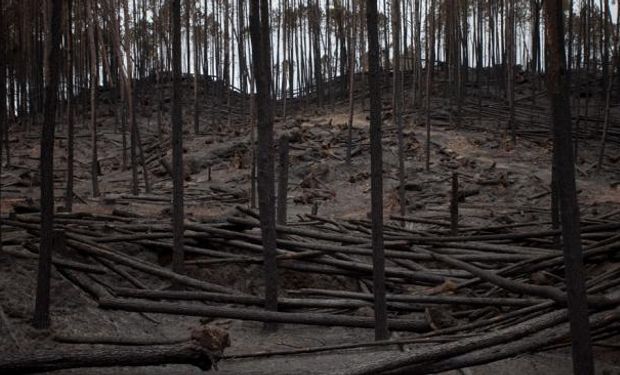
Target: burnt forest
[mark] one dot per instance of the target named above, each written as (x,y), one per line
(310,187)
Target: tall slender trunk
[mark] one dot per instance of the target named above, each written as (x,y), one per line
(196,69)
(398,103)
(510,66)
(3,115)
(430,63)
(261,52)
(177,141)
(376,173)
(70,122)
(352,36)
(94,83)
(567,192)
(41,310)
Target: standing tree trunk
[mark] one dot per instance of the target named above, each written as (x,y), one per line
(316,44)
(3,115)
(376,173)
(510,66)
(177,141)
(430,63)
(94,82)
(196,69)
(398,103)
(70,122)
(283,180)
(352,36)
(41,310)
(261,56)
(567,194)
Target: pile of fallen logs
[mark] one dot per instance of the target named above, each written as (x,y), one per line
(478,295)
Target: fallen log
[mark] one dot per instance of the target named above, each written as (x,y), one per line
(57,261)
(259,315)
(503,236)
(330,348)
(203,351)
(527,344)
(98,251)
(440,300)
(519,287)
(242,300)
(117,340)
(448,350)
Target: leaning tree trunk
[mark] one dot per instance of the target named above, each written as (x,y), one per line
(567,193)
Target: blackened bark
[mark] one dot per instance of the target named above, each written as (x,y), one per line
(398,104)
(376,173)
(70,122)
(567,194)
(177,141)
(41,312)
(94,79)
(454,205)
(283,180)
(316,44)
(3,116)
(259,33)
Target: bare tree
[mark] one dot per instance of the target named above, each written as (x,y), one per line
(70,117)
(567,193)
(3,115)
(398,102)
(261,63)
(94,82)
(41,310)
(352,36)
(177,140)
(376,172)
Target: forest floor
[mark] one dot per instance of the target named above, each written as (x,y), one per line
(505,184)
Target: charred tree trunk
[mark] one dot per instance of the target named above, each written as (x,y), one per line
(177,141)
(567,193)
(283,180)
(94,83)
(3,115)
(260,38)
(70,118)
(352,36)
(376,172)
(398,103)
(41,311)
